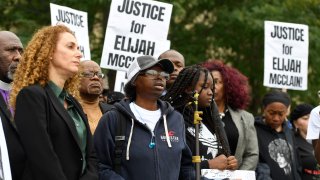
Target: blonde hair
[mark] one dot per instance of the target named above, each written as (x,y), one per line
(34,64)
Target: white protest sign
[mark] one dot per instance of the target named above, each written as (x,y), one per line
(121,80)
(77,21)
(286,55)
(135,28)
(5,171)
(215,174)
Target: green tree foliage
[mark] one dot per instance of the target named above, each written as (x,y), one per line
(200,29)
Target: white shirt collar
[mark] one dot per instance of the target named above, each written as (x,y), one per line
(5,86)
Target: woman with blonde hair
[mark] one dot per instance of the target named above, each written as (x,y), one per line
(53,128)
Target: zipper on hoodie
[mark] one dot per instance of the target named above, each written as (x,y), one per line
(152,143)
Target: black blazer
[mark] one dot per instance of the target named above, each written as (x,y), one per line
(16,153)
(50,138)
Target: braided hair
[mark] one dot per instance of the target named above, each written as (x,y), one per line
(180,99)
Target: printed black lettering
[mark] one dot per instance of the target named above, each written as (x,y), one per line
(133,45)
(282,79)
(288,33)
(69,18)
(289,65)
(145,10)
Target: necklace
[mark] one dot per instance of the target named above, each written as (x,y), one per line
(223,114)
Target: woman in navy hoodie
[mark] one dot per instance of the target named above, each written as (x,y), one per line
(155,146)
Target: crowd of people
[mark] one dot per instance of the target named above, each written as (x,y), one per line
(61,124)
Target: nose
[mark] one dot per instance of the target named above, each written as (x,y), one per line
(210,92)
(17,56)
(79,54)
(95,76)
(276,117)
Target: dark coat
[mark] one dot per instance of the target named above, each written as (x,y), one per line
(104,107)
(16,153)
(50,138)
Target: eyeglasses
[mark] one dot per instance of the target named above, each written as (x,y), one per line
(154,74)
(92,74)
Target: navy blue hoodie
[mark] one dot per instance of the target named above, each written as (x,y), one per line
(141,162)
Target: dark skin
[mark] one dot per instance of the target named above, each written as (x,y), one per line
(90,88)
(178,62)
(316,147)
(149,89)
(11,50)
(220,162)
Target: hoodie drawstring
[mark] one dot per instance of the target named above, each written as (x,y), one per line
(166,130)
(129,140)
(131,132)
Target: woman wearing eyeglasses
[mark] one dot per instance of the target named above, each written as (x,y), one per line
(53,129)
(91,87)
(155,145)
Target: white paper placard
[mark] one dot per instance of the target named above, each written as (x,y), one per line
(286,55)
(215,174)
(77,21)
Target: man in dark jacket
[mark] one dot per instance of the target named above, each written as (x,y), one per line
(10,53)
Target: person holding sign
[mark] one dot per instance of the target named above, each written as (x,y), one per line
(53,127)
(144,137)
(278,158)
(232,96)
(214,147)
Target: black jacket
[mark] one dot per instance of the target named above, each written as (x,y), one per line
(16,153)
(50,138)
(278,151)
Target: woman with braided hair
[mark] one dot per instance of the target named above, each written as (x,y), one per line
(214,147)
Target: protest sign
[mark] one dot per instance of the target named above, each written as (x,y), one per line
(286,55)
(215,174)
(135,28)
(121,80)
(77,21)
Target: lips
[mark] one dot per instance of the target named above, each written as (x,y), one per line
(95,85)
(159,85)
(76,62)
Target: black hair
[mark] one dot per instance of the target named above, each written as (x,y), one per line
(180,100)
(130,90)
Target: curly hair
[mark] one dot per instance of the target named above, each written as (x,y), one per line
(34,64)
(236,91)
